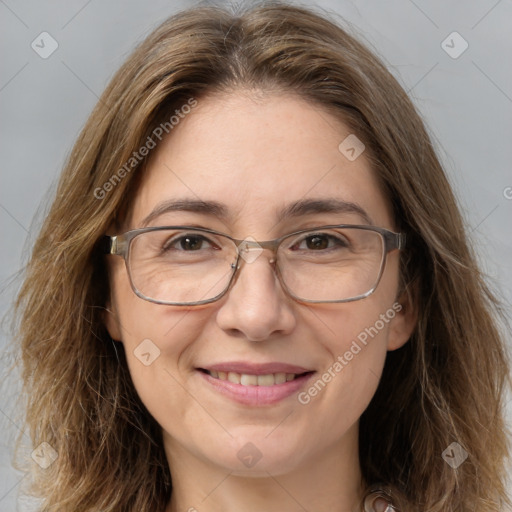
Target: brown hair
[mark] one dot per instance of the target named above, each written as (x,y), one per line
(446,384)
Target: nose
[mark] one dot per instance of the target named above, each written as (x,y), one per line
(256,305)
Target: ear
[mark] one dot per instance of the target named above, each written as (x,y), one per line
(405,320)
(111,320)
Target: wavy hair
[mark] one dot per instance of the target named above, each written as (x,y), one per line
(446,384)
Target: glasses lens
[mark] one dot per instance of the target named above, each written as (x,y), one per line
(181,266)
(331,264)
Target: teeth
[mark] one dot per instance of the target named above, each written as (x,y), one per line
(280,378)
(249,380)
(234,377)
(266,380)
(254,380)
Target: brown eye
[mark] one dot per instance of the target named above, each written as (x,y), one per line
(191,243)
(187,243)
(319,242)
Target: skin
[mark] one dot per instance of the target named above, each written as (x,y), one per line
(256,153)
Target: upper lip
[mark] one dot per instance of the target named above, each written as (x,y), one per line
(255,369)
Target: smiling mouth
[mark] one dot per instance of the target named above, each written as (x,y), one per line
(245,379)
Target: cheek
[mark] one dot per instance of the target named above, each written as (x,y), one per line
(159,343)
(168,327)
(356,346)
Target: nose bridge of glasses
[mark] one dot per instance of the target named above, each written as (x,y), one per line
(250,249)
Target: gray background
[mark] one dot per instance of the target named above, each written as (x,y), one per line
(466,102)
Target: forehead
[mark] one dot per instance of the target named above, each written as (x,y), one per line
(256,155)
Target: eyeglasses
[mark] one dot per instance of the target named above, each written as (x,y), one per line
(184,266)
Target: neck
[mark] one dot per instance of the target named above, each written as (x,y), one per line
(324,482)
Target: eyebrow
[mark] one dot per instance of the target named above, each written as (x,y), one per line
(212,208)
(296,209)
(324,205)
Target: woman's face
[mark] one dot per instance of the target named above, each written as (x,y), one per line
(257,156)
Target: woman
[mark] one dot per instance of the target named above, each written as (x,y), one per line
(254,290)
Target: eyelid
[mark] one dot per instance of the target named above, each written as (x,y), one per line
(319,230)
(184,233)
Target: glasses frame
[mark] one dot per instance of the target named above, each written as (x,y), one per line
(119,245)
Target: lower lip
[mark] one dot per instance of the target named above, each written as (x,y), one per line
(257,395)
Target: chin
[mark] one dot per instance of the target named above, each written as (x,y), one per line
(257,456)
